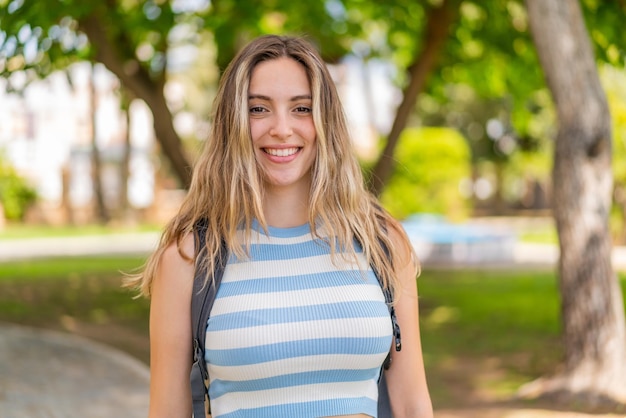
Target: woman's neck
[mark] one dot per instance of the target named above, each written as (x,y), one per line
(285,208)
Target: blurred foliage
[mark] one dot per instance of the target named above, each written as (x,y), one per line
(16,194)
(492,52)
(490,77)
(431,164)
(487,73)
(45,35)
(614,82)
(605,20)
(513,164)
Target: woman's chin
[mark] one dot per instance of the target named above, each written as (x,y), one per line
(286,182)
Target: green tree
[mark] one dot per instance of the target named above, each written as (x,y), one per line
(482,50)
(594,330)
(435,33)
(440,44)
(135,39)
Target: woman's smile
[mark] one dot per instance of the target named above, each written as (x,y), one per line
(281,152)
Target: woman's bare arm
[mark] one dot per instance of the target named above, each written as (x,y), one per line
(406,378)
(170,335)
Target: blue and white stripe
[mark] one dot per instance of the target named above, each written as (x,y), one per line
(293,334)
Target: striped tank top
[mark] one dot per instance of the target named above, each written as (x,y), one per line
(292,334)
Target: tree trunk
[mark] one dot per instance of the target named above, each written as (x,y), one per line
(437,27)
(594,334)
(101,212)
(135,78)
(124,205)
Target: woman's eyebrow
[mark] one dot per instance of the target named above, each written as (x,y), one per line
(258,96)
(293,99)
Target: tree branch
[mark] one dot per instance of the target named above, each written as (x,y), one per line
(438,24)
(136,79)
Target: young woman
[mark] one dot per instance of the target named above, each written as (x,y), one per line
(300,327)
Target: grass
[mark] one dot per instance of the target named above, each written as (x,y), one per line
(484,332)
(82,295)
(492,330)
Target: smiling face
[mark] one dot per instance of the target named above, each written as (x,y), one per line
(281,123)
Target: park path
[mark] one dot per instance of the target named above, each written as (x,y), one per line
(49,374)
(107,244)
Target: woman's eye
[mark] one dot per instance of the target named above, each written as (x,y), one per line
(257,109)
(303,109)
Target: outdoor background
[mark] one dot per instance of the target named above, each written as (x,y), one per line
(104,107)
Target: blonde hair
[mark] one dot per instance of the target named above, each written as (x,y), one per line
(226,189)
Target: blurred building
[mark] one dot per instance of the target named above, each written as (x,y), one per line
(47,133)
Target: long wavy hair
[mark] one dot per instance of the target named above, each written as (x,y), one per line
(226,190)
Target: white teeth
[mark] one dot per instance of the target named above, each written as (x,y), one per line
(286,152)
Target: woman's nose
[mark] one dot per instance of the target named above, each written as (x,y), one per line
(281,126)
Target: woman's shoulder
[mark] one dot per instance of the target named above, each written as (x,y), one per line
(400,242)
(180,250)
(177,259)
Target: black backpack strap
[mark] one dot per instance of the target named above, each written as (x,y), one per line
(387,292)
(392,311)
(394,323)
(202,300)
(384,403)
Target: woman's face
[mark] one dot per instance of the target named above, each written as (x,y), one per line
(281,123)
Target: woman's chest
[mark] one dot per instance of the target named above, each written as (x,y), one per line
(295,309)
